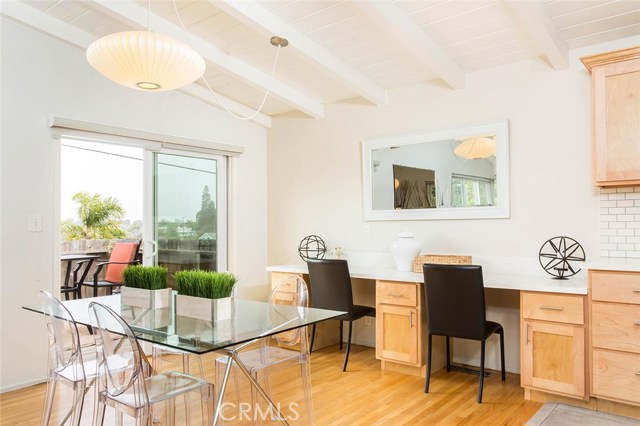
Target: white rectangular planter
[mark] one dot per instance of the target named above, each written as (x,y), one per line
(136,303)
(143,298)
(204,309)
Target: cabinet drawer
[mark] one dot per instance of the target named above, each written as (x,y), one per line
(621,287)
(616,375)
(553,307)
(615,326)
(395,293)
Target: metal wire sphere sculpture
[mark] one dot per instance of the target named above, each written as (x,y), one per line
(312,247)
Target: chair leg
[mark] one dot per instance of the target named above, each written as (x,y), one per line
(95,290)
(504,374)
(51,392)
(448,355)
(482,346)
(99,408)
(313,337)
(341,332)
(346,357)
(78,402)
(308,398)
(426,384)
(171,410)
(187,401)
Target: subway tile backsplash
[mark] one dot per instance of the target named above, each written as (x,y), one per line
(620,222)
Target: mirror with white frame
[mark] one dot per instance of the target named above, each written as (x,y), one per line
(454,173)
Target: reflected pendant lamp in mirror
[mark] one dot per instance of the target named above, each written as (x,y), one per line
(145,60)
(476,147)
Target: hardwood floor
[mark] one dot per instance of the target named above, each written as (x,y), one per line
(364,395)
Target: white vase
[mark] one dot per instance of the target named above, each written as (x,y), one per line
(404,249)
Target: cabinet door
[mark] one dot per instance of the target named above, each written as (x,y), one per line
(616,109)
(553,357)
(397,333)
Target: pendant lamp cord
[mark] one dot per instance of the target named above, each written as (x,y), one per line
(206,83)
(149,17)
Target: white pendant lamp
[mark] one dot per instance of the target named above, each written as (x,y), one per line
(476,147)
(145,60)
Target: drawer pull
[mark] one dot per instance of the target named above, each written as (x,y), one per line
(636,290)
(411,319)
(637,373)
(636,323)
(552,308)
(395,295)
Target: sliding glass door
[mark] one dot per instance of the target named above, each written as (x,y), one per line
(187,211)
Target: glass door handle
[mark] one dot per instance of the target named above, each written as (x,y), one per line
(155,247)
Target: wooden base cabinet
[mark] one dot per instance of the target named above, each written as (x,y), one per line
(615,331)
(399,322)
(553,343)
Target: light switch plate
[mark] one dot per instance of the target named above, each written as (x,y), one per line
(35,223)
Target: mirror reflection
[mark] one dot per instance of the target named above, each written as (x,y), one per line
(447,173)
(455,173)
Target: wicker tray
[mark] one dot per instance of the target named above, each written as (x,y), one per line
(442,259)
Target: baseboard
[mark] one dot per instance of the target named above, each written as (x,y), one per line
(363,342)
(488,364)
(23,385)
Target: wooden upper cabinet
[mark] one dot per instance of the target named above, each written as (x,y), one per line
(616,116)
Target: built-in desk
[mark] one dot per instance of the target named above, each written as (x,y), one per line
(401,324)
(572,337)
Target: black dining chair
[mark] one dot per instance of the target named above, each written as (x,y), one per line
(455,308)
(331,289)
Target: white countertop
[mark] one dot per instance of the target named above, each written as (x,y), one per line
(614,264)
(544,283)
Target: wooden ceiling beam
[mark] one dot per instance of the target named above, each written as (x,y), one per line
(539,29)
(261,20)
(409,35)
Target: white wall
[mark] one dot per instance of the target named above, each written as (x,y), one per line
(41,77)
(315,172)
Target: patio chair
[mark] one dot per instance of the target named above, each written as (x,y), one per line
(123,254)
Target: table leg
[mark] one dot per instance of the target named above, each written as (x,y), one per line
(259,388)
(222,386)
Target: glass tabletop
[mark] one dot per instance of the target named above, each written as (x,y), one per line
(249,320)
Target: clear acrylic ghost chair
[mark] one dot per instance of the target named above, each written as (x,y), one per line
(128,391)
(67,362)
(290,348)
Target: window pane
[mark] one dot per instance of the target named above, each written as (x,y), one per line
(186,212)
(470,190)
(456,193)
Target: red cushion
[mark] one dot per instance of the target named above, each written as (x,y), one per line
(122,252)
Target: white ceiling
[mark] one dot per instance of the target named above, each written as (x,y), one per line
(343,49)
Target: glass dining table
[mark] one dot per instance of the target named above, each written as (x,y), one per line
(249,322)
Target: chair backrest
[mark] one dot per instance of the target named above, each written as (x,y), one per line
(119,354)
(291,291)
(64,339)
(330,284)
(123,251)
(455,300)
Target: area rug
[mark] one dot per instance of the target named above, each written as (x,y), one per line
(555,414)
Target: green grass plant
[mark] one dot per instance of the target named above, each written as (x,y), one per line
(207,284)
(146,277)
